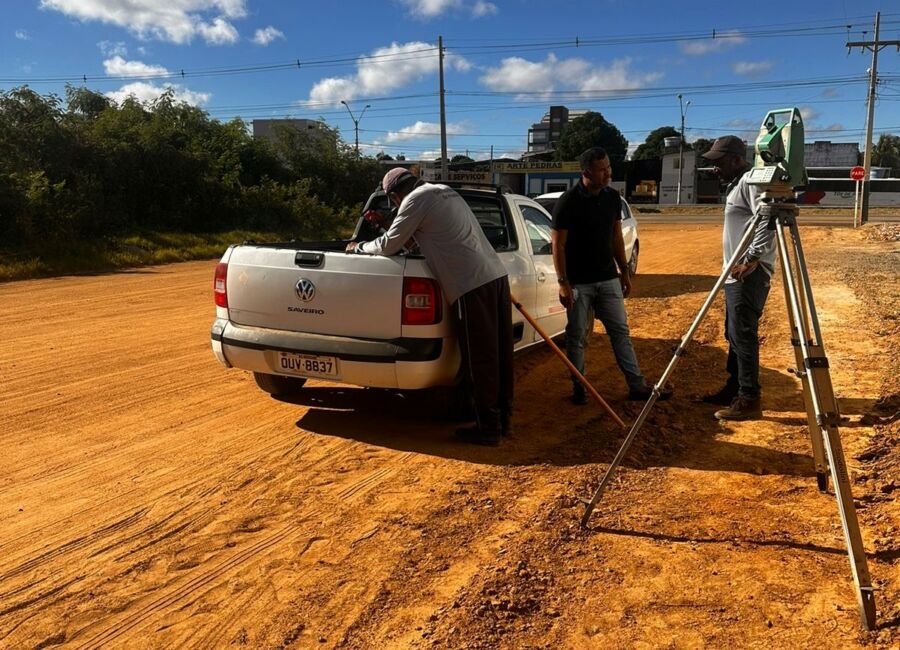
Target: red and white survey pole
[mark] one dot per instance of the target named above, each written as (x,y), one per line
(858,174)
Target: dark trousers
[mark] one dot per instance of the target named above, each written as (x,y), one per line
(744,303)
(486,343)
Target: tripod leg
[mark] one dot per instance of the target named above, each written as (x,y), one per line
(825,408)
(632,433)
(815,432)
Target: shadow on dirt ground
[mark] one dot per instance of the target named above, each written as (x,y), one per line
(669,285)
(547,429)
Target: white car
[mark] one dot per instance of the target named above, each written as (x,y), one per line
(629,227)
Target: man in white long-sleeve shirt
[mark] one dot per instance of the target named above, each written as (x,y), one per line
(747,287)
(475,283)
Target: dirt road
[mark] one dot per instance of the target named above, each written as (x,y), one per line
(150,498)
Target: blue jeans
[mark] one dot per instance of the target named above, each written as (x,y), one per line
(744,303)
(604,301)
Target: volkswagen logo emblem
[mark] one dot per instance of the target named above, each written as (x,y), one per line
(306,290)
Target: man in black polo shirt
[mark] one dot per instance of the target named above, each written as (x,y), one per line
(587,248)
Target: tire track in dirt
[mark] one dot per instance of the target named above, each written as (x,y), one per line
(210,578)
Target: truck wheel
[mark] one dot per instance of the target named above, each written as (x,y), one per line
(633,262)
(278,384)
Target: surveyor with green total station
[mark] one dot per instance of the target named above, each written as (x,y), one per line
(747,286)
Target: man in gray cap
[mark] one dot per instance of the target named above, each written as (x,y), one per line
(747,286)
(474,282)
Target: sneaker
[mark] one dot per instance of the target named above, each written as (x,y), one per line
(724,397)
(579,395)
(644,392)
(742,408)
(477,436)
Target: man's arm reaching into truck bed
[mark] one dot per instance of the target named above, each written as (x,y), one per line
(401,231)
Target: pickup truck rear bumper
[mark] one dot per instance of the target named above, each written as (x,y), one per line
(395,363)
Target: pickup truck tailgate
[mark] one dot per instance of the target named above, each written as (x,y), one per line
(319,292)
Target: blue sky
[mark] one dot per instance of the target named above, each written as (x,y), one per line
(507,62)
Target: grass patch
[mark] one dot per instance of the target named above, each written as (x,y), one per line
(109,254)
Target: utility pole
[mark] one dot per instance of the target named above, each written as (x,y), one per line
(683,107)
(355,122)
(492,164)
(443,111)
(874,46)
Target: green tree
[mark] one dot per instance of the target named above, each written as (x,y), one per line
(461,158)
(702,145)
(653,146)
(592,130)
(886,153)
(85,102)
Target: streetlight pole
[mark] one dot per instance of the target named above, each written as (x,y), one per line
(355,122)
(683,107)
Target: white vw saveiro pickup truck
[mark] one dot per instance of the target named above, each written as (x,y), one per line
(291,311)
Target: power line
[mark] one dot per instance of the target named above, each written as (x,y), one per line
(514,46)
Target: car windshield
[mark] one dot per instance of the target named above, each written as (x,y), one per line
(547,204)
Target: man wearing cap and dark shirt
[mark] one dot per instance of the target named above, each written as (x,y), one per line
(747,286)
(475,283)
(587,247)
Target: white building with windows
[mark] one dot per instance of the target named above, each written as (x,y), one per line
(668,185)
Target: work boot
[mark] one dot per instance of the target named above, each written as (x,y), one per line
(579,395)
(723,397)
(742,408)
(644,392)
(477,436)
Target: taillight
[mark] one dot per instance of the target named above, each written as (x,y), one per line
(421,301)
(219,285)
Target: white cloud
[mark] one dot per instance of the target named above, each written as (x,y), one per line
(830,92)
(808,113)
(831,128)
(147,92)
(110,48)
(482,8)
(177,21)
(119,67)
(720,42)
(386,69)
(218,32)
(423,130)
(23,35)
(267,35)
(427,9)
(516,74)
(751,68)
(742,123)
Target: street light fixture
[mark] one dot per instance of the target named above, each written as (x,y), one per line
(355,122)
(683,106)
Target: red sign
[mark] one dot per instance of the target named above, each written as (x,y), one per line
(858,173)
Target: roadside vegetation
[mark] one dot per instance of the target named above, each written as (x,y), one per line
(90,185)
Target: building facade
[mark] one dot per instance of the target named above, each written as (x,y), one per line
(545,135)
(823,153)
(269,129)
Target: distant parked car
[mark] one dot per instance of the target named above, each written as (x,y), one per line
(629,227)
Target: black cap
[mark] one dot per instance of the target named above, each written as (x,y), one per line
(727,144)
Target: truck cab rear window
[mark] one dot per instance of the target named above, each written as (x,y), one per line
(493,221)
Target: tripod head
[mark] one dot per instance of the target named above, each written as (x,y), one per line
(778,167)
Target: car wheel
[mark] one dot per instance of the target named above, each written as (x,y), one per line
(633,262)
(278,384)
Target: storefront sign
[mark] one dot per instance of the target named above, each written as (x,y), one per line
(536,166)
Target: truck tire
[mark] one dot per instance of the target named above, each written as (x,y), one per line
(278,384)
